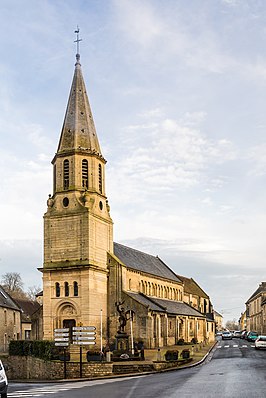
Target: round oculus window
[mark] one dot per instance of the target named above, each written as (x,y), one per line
(65,202)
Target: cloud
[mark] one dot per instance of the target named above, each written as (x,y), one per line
(257,157)
(173,156)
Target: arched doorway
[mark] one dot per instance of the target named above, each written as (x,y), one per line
(67,316)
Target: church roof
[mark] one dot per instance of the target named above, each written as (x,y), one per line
(6,301)
(78,132)
(191,287)
(163,305)
(143,262)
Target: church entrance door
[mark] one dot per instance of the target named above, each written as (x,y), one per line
(69,323)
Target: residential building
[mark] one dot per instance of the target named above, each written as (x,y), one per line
(218,321)
(10,320)
(255,310)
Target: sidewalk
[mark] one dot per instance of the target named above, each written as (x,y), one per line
(197,351)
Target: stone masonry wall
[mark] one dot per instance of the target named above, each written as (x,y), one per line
(20,368)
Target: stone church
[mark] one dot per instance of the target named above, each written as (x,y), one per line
(85,273)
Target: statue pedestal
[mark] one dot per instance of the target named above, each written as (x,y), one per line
(122,342)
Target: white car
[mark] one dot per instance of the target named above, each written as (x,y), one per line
(3,381)
(260,342)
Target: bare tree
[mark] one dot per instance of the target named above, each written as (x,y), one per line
(32,291)
(13,284)
(232,325)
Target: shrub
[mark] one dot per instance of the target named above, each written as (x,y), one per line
(40,349)
(180,342)
(171,355)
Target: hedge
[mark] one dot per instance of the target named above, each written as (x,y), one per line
(36,348)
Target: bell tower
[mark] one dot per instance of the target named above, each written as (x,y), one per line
(78,229)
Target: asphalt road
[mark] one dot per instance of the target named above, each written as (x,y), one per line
(234,369)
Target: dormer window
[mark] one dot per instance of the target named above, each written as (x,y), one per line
(100,179)
(66,174)
(85,174)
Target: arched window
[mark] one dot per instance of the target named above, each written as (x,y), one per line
(66,289)
(129,284)
(100,179)
(85,174)
(66,174)
(76,289)
(57,289)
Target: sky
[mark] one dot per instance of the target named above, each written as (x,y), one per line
(178,94)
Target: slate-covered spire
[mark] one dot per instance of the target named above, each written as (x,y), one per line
(78,132)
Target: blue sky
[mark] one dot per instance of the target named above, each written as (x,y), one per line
(178,93)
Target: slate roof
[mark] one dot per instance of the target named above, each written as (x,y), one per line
(191,287)
(168,306)
(28,307)
(261,289)
(6,300)
(144,262)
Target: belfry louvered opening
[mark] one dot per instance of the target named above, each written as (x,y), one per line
(85,174)
(66,174)
(100,179)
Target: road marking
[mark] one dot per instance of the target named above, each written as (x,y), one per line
(244,346)
(235,345)
(226,346)
(53,389)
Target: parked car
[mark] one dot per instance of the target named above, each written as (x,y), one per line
(226,335)
(219,333)
(237,333)
(260,342)
(3,381)
(244,334)
(252,336)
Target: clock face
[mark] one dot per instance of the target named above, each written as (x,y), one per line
(65,202)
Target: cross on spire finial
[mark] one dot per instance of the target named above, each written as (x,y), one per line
(77,41)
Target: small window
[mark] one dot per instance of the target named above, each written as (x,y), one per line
(14,317)
(65,202)
(85,174)
(5,317)
(76,289)
(66,289)
(57,289)
(66,174)
(100,179)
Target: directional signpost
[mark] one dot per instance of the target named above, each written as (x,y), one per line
(83,335)
(61,338)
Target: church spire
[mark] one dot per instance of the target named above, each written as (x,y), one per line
(78,131)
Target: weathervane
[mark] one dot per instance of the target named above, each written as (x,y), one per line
(78,39)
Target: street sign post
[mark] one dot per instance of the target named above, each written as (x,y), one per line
(61,339)
(82,336)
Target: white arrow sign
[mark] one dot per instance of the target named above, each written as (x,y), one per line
(64,330)
(80,328)
(84,338)
(61,339)
(84,342)
(61,335)
(61,344)
(84,333)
